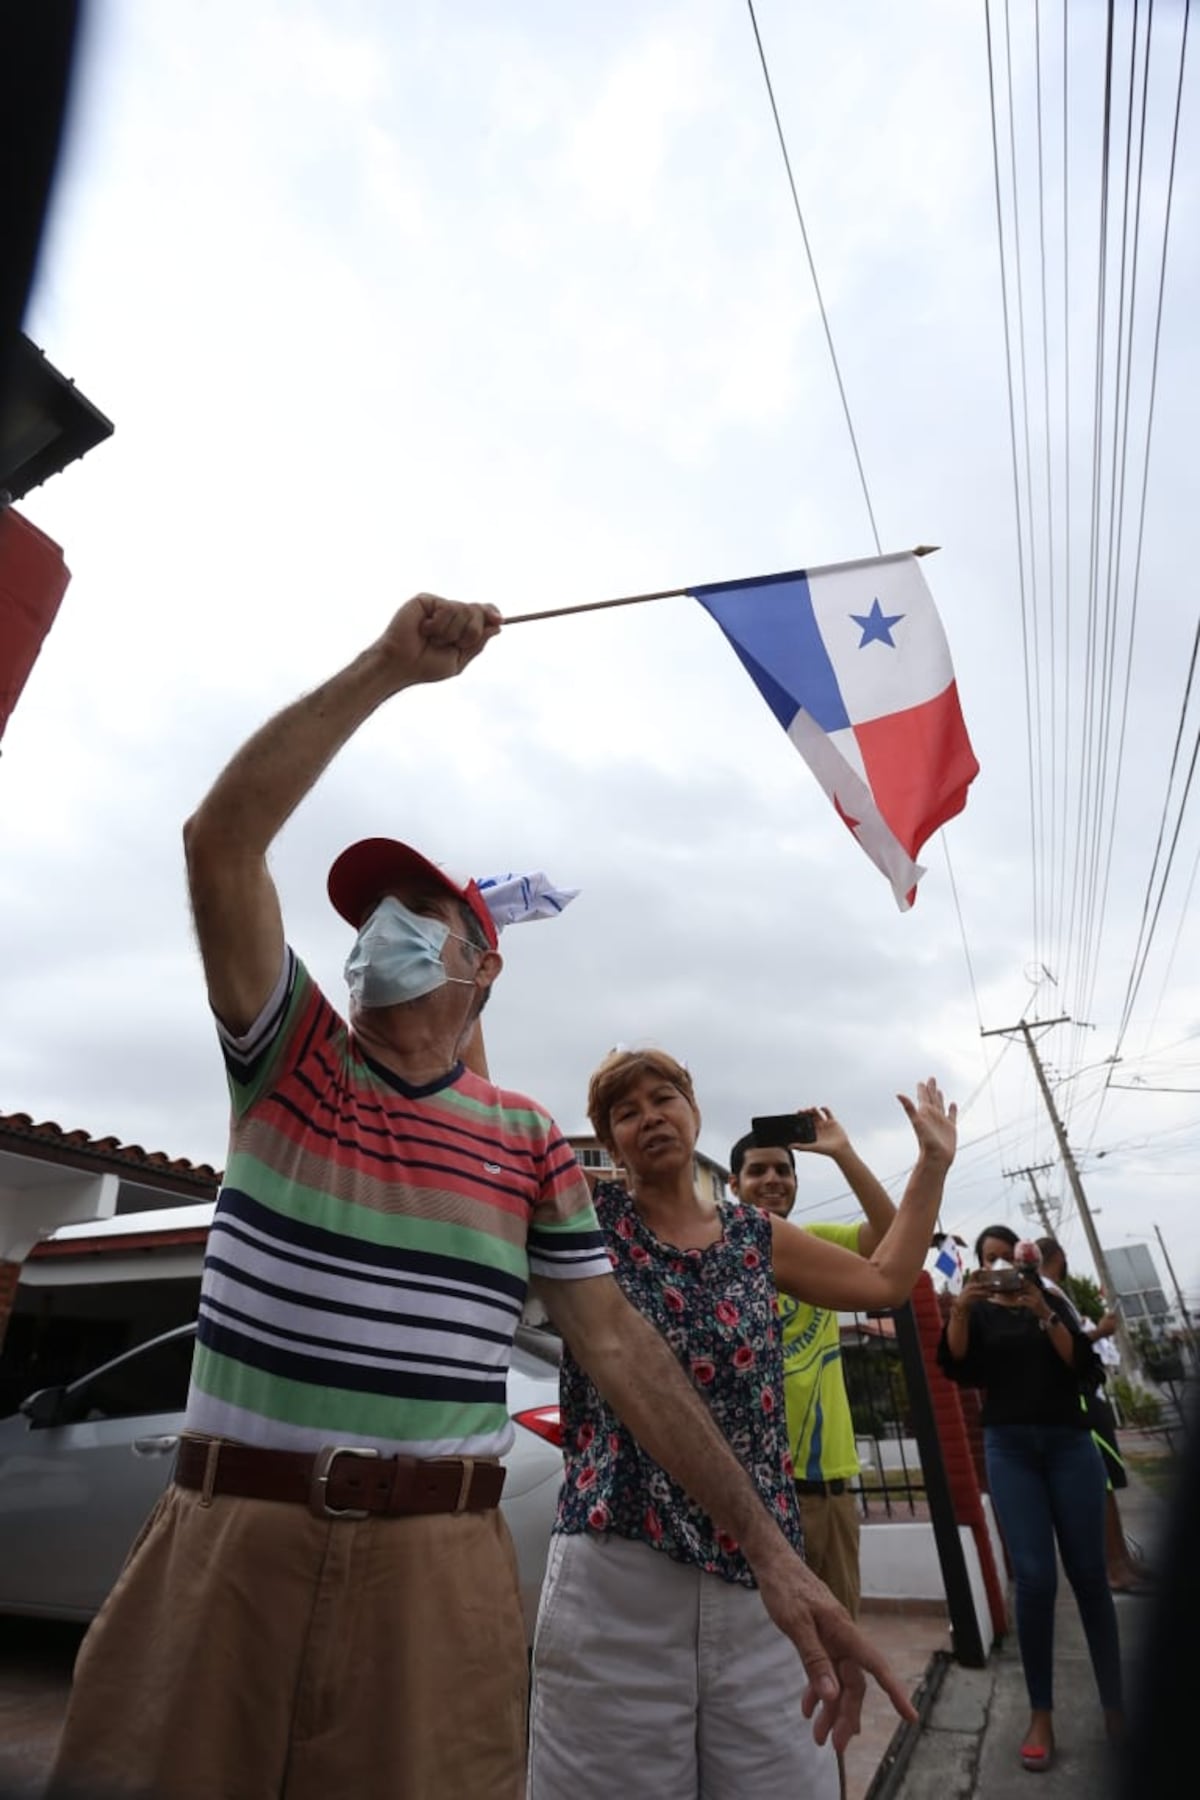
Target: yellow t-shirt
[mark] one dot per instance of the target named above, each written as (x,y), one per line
(820,1427)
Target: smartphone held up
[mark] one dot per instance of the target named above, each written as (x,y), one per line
(777,1131)
(1001,1278)
(1010,1277)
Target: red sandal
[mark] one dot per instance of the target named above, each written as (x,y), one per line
(1036,1757)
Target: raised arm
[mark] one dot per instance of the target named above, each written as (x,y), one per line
(640,1378)
(234,904)
(833,1140)
(825,1275)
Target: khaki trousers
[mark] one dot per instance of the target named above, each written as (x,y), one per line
(830,1523)
(250,1651)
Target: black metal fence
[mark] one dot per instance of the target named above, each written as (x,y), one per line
(892,1482)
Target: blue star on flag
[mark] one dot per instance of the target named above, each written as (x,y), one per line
(876,626)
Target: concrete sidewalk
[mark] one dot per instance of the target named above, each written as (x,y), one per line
(967,1748)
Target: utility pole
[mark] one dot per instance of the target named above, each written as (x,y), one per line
(1039,1201)
(1188,1333)
(1072,1172)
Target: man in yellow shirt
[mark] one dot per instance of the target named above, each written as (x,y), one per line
(818,1410)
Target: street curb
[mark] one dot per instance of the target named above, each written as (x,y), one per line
(887,1778)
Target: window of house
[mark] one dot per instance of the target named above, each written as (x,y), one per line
(593,1157)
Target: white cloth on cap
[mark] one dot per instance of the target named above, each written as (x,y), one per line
(512,899)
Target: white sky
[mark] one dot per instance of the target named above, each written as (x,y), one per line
(510,303)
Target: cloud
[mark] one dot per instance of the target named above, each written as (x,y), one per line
(513,305)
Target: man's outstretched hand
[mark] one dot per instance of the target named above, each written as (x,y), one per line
(431,639)
(837,1657)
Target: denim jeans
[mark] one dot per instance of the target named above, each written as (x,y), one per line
(1047,1482)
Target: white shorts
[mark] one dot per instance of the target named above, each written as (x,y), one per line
(655,1681)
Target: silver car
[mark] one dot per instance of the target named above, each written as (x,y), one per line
(81,1466)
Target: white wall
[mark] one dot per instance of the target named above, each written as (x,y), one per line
(899,1561)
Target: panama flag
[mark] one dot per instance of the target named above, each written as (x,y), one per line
(948,1264)
(853,662)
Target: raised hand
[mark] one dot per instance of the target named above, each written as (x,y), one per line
(831,1138)
(972,1290)
(431,639)
(1032,1297)
(935,1124)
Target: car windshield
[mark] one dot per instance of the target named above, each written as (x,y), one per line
(151,1379)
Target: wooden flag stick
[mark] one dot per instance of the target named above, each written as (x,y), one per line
(561,612)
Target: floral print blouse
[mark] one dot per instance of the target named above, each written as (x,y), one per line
(716,1309)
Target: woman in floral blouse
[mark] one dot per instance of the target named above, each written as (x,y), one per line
(661,1675)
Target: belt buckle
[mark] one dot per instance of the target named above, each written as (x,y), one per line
(318,1489)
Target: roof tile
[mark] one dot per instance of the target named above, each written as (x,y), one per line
(18,1129)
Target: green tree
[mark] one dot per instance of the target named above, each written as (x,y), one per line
(1136,1405)
(875,1386)
(1085,1296)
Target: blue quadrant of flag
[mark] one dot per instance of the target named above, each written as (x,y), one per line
(771,625)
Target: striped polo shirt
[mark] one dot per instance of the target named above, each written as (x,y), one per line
(372,1244)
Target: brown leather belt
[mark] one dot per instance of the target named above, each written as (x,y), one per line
(342,1481)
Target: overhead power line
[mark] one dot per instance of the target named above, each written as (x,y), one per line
(1146,924)
(812,269)
(841,386)
(1033,773)
(1114,182)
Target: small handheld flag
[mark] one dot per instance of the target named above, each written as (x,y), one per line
(948,1263)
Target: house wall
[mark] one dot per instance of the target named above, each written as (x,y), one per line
(709,1176)
(899,1563)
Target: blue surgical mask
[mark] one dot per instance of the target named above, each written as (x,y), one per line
(397,956)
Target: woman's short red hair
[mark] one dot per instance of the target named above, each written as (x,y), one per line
(619,1071)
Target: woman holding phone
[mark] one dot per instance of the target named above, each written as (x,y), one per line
(1010,1336)
(658,1674)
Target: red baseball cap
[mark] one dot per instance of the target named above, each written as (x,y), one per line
(368,870)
